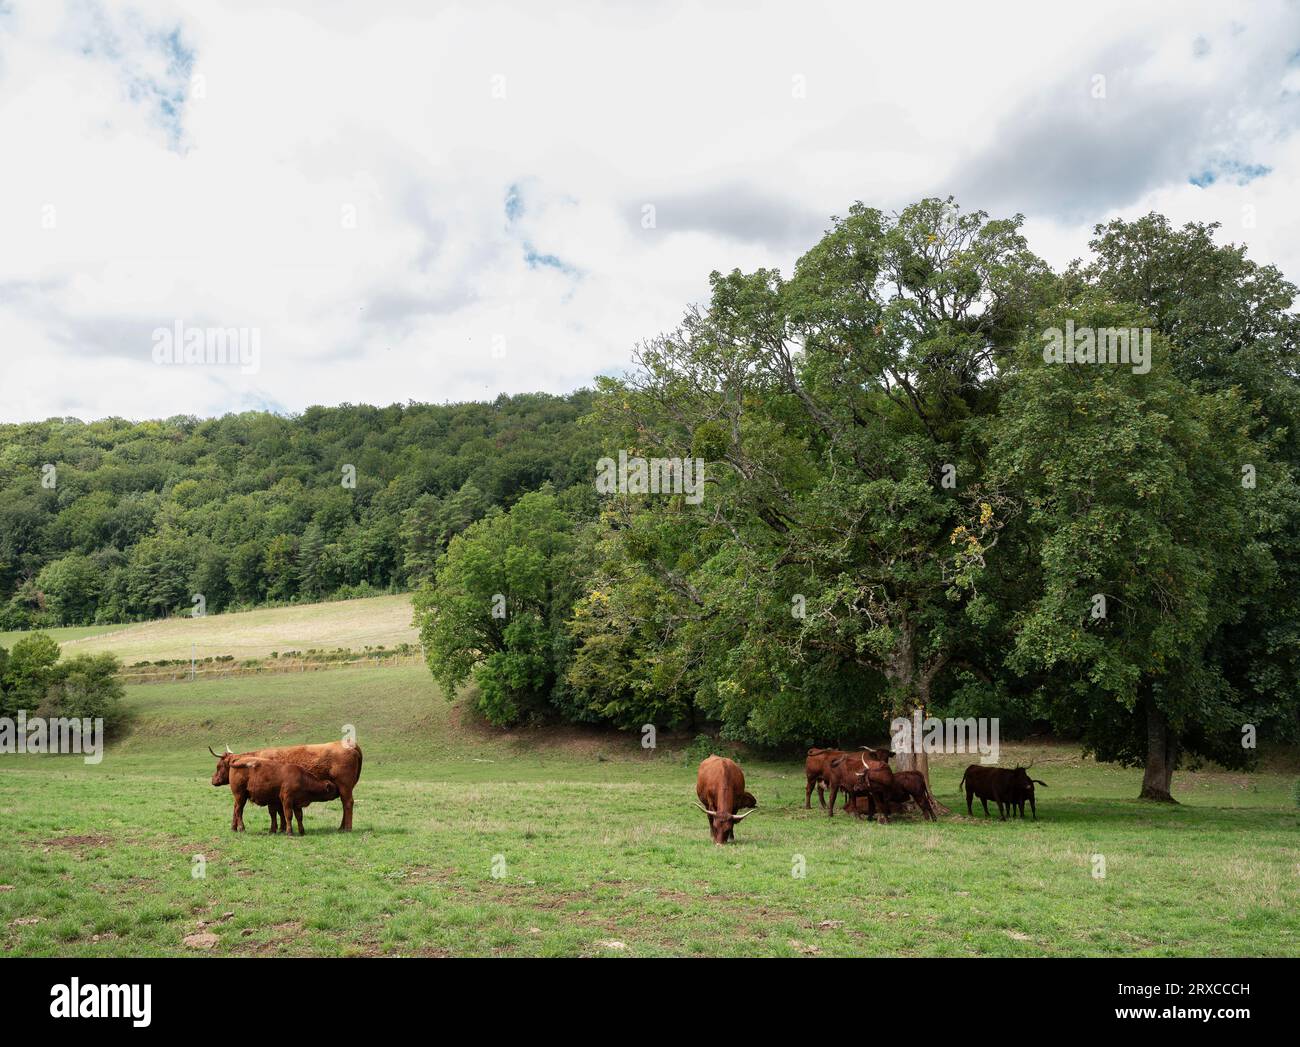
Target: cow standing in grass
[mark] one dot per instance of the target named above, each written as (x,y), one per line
(817,770)
(1023,793)
(720,786)
(1005,786)
(337,762)
(273,785)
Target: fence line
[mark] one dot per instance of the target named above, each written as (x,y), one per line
(272,666)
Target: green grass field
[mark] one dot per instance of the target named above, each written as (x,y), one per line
(565,842)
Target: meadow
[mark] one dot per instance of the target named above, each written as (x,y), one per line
(472,841)
(354,624)
(65,634)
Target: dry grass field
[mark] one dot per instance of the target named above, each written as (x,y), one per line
(354,624)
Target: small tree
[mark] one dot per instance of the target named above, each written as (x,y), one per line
(494,609)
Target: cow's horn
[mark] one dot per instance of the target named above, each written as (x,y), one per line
(228,747)
(741,817)
(214,754)
(864,761)
(711,814)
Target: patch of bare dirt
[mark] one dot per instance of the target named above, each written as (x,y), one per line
(73,842)
(282,934)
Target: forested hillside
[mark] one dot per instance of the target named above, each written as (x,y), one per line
(113,521)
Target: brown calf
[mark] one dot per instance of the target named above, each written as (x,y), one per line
(816,769)
(720,786)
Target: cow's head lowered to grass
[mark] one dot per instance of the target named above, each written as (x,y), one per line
(720,786)
(722,824)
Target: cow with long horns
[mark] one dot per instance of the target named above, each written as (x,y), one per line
(817,770)
(337,762)
(720,786)
(862,775)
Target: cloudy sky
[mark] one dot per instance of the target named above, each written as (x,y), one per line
(447,201)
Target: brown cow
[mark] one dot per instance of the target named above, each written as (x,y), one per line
(337,762)
(862,774)
(817,770)
(720,786)
(272,784)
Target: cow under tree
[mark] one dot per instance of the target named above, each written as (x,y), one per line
(859,774)
(1005,786)
(720,786)
(817,770)
(908,785)
(337,762)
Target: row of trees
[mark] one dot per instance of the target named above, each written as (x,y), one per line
(116,521)
(910,505)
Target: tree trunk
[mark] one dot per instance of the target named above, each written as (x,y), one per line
(1162,754)
(920,759)
(914,687)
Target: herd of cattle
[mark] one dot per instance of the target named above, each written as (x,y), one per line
(287,779)
(869,785)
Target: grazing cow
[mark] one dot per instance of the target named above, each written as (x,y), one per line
(908,785)
(720,786)
(817,771)
(1006,786)
(337,762)
(859,774)
(271,784)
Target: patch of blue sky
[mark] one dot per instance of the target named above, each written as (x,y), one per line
(536,260)
(1229,170)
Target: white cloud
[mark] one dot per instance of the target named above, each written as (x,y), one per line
(201,162)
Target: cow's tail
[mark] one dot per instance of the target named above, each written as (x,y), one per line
(963,779)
